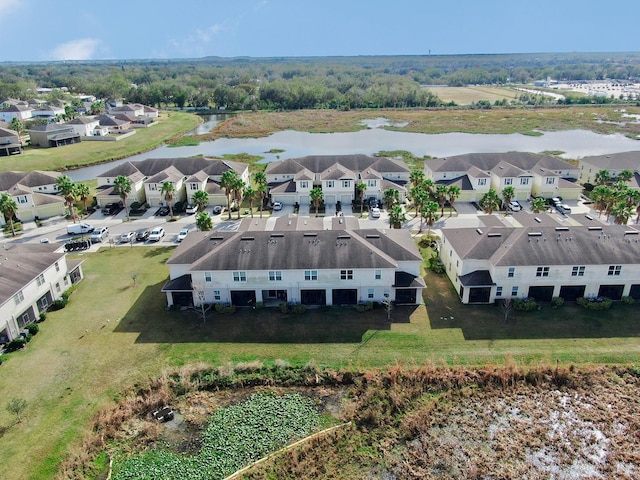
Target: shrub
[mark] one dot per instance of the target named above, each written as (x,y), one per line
(16,344)
(557,302)
(628,300)
(43,317)
(599,303)
(259,305)
(283,308)
(525,304)
(225,309)
(364,307)
(33,328)
(300,308)
(58,304)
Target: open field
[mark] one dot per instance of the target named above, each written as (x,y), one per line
(468,95)
(494,120)
(91,153)
(114,333)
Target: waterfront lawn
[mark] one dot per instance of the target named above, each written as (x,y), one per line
(85,153)
(115,332)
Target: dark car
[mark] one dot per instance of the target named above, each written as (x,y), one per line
(142,235)
(217,210)
(111,209)
(163,211)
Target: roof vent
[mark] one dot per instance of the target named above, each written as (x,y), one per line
(217,238)
(595,228)
(277,235)
(310,235)
(247,238)
(494,235)
(538,220)
(480,232)
(372,236)
(631,232)
(535,234)
(344,237)
(588,217)
(562,229)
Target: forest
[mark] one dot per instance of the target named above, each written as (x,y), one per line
(293,83)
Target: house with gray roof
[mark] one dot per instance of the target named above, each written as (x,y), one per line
(493,263)
(53,135)
(35,192)
(21,112)
(614,163)
(529,174)
(33,277)
(309,267)
(10,142)
(84,126)
(290,181)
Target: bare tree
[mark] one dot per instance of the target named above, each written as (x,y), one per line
(16,406)
(506,307)
(200,297)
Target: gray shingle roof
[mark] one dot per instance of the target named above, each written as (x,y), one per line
(615,161)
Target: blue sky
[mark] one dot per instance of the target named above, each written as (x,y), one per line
(36,30)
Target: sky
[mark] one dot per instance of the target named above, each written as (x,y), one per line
(46,30)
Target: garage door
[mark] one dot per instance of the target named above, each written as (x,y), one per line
(635,291)
(345,296)
(346,199)
(572,292)
(305,200)
(330,199)
(313,297)
(541,294)
(614,292)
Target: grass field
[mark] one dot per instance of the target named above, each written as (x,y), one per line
(90,153)
(490,121)
(114,333)
(468,95)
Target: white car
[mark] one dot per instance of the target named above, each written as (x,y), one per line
(374,212)
(156,234)
(277,206)
(191,209)
(127,237)
(515,206)
(182,234)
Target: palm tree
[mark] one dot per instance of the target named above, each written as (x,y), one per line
(68,190)
(538,205)
(507,194)
(261,187)
(396,217)
(201,199)
(317,196)
(8,207)
(69,113)
(441,196)
(624,175)
(622,213)
(238,190)
(227,181)
(429,211)
(600,196)
(203,221)
(250,194)
(428,184)
(362,190)
(603,177)
(18,126)
(416,177)
(391,198)
(84,193)
(419,196)
(490,201)
(168,190)
(454,192)
(122,187)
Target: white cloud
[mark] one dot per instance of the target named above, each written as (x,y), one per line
(197,43)
(6,6)
(81,49)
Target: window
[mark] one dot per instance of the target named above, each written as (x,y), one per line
(311,275)
(239,276)
(275,276)
(58,287)
(550,180)
(216,295)
(577,271)
(378,274)
(514,291)
(57,267)
(512,271)
(330,183)
(346,183)
(18,297)
(346,274)
(482,181)
(304,184)
(508,181)
(498,291)
(614,270)
(22,199)
(372,183)
(40,279)
(370,293)
(524,181)
(153,187)
(193,186)
(207,276)
(542,272)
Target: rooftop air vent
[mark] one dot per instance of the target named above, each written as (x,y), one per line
(311,235)
(537,220)
(248,238)
(631,232)
(480,232)
(535,234)
(344,237)
(277,235)
(595,228)
(372,236)
(562,229)
(494,235)
(218,239)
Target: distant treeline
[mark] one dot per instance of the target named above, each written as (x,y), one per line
(313,82)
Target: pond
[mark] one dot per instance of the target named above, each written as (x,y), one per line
(575,143)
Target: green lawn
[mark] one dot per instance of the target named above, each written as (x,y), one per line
(89,153)
(113,334)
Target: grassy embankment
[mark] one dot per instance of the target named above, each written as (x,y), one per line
(492,121)
(91,153)
(114,333)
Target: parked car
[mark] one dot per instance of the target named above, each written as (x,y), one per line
(191,209)
(156,234)
(127,237)
(100,234)
(163,211)
(560,208)
(566,208)
(182,234)
(217,210)
(80,228)
(515,206)
(374,212)
(142,235)
(111,209)
(277,206)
